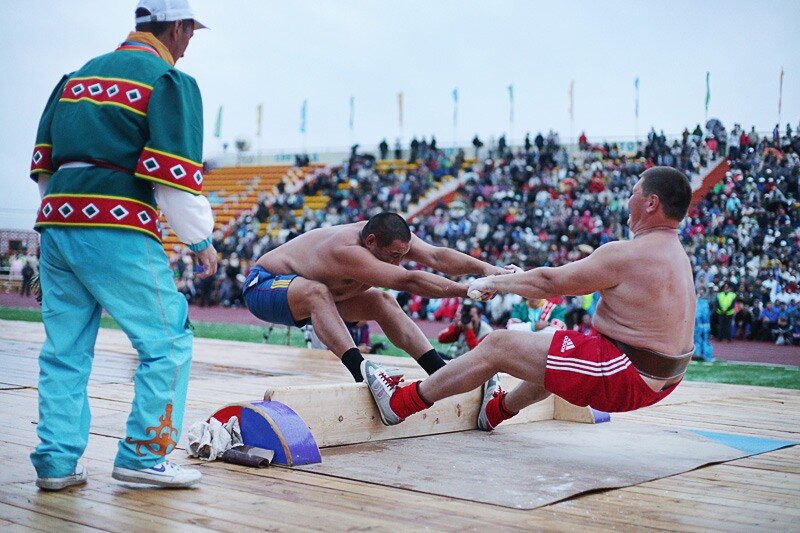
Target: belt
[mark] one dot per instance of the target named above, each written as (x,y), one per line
(653,364)
(93,163)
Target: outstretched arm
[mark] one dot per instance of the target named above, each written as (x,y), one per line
(451,262)
(358,264)
(603,269)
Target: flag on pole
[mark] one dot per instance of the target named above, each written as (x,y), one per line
(303,112)
(455,106)
(636,86)
(708,89)
(259,111)
(780,94)
(511,103)
(352,112)
(400,108)
(572,99)
(218,124)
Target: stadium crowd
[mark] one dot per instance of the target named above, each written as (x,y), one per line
(537,205)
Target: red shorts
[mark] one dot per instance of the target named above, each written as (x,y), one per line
(591,370)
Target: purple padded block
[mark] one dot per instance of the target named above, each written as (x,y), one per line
(275,426)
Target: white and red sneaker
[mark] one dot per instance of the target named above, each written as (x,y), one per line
(491,389)
(382,385)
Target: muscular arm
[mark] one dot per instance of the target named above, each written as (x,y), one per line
(355,262)
(604,269)
(451,262)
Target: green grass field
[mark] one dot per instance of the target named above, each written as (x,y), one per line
(716,372)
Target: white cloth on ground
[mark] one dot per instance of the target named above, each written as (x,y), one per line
(209,440)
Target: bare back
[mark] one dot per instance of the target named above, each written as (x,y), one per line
(313,256)
(653,306)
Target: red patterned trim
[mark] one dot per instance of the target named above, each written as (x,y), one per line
(170,169)
(42,160)
(127,94)
(98,211)
(138,48)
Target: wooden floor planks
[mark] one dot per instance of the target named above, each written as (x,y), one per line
(758,492)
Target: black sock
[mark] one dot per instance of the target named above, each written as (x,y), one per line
(431,361)
(352,360)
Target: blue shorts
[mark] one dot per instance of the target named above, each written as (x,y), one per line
(265,296)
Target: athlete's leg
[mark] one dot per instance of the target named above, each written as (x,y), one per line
(521,354)
(382,307)
(308,298)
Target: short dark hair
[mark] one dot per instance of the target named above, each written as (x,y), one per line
(158,28)
(672,187)
(387,228)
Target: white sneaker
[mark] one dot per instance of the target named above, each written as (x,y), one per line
(164,474)
(490,389)
(382,386)
(57,483)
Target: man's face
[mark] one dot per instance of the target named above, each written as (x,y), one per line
(184,36)
(636,204)
(392,254)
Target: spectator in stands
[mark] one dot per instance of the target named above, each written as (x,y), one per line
(477,144)
(27,276)
(359,331)
(383,147)
(725,311)
(743,320)
(782,325)
(769,321)
(466,330)
(583,141)
(585,326)
(538,314)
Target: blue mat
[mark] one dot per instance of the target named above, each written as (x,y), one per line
(746,443)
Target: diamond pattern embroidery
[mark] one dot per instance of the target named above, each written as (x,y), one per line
(144,217)
(66,210)
(133,95)
(37,156)
(77,89)
(178,171)
(198,177)
(47,209)
(90,211)
(151,164)
(119,212)
(95,89)
(111,91)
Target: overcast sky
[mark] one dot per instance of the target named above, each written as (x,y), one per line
(278,53)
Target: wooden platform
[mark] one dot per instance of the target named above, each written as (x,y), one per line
(759,492)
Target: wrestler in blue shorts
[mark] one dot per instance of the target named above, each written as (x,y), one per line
(265,295)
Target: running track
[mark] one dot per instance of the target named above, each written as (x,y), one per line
(744,351)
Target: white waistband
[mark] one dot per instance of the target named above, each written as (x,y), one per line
(75,164)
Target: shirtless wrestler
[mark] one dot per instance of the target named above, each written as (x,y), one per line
(645,320)
(328,277)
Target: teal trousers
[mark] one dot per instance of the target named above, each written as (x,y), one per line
(85,270)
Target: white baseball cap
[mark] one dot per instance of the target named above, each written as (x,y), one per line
(167,11)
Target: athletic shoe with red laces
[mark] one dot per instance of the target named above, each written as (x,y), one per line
(491,390)
(382,385)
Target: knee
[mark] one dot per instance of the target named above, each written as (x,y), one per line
(497,344)
(387,304)
(317,294)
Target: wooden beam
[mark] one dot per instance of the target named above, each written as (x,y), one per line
(339,414)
